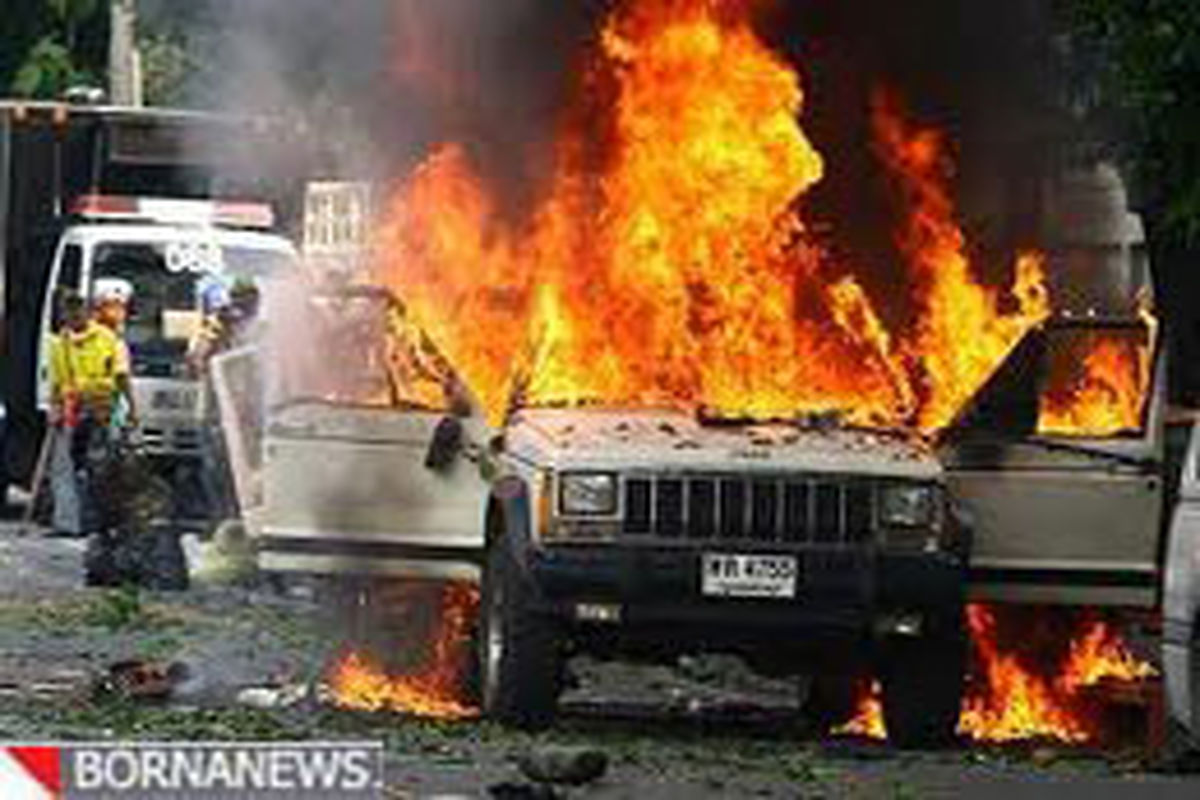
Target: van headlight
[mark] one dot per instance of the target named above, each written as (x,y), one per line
(587,493)
(906,506)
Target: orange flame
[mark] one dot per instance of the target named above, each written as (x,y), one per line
(667,261)
(868,717)
(1007,702)
(357,682)
(1098,384)
(1100,655)
(962,336)
(1010,702)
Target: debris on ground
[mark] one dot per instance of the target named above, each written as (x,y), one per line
(228,558)
(523,791)
(268,697)
(60,686)
(568,766)
(138,679)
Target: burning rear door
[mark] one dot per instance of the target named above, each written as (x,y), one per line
(1059,468)
(371,452)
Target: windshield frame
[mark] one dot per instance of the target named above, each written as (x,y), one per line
(1027,359)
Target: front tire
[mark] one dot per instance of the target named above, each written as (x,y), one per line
(922,680)
(519,649)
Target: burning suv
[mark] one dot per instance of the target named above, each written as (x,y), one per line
(806,546)
(799,545)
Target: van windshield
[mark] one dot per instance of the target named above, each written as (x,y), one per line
(165,311)
(358,347)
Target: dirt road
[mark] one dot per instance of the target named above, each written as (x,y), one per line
(668,732)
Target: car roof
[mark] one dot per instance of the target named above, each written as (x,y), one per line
(133,233)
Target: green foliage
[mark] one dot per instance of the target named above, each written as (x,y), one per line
(1147,54)
(47,70)
(73,11)
(166,66)
(117,609)
(48,45)
(21,25)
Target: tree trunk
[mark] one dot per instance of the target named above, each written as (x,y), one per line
(124,64)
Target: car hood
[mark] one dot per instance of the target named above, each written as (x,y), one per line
(673,441)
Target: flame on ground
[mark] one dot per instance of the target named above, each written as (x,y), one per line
(1006,701)
(358,682)
(1009,702)
(669,262)
(868,717)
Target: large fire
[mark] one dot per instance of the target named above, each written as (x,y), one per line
(1008,699)
(359,682)
(669,260)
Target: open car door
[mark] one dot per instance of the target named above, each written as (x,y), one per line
(372,452)
(1059,466)
(1181,600)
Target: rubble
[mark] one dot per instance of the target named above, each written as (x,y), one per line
(138,679)
(569,766)
(522,791)
(229,557)
(268,697)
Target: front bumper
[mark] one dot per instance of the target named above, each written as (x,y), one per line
(838,591)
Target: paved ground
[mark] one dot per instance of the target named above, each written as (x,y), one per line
(668,732)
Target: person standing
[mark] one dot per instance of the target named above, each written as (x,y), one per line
(89,375)
(111,302)
(230,321)
(64,415)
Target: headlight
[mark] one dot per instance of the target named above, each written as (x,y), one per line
(588,493)
(906,506)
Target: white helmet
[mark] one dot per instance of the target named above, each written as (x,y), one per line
(111,289)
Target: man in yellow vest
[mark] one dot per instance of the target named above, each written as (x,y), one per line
(110,299)
(89,376)
(89,362)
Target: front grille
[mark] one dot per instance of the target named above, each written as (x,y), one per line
(817,510)
(172,441)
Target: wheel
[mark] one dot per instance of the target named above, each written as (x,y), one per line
(831,700)
(922,680)
(519,658)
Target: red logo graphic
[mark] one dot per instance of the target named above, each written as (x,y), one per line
(30,773)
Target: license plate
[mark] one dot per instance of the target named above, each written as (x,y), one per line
(733,575)
(183,400)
